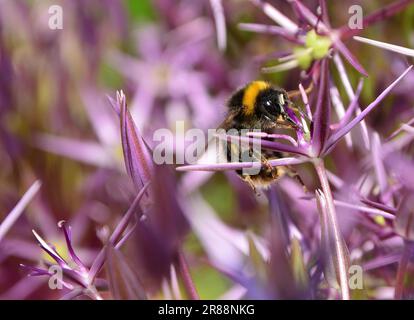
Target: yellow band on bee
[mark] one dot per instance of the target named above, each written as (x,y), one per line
(250,95)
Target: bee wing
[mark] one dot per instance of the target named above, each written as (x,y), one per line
(229,121)
(214,153)
(216,150)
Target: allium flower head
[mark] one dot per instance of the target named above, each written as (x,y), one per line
(152,211)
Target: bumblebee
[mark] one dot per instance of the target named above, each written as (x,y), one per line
(258,105)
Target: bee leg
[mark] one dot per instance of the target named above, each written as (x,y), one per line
(266,163)
(293,94)
(249,180)
(296,93)
(258,156)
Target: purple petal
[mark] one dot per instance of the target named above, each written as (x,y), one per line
(305,100)
(280,266)
(34,271)
(193,180)
(339,45)
(175,287)
(114,105)
(401,128)
(240,165)
(379,206)
(100,117)
(138,161)
(399,143)
(68,238)
(164,228)
(134,209)
(247,282)
(309,16)
(351,95)
(276,16)
(50,251)
(324,9)
(152,254)
(280,212)
(271,145)
(340,112)
(323,111)
(352,106)
(331,251)
(379,165)
(91,152)
(127,235)
(364,209)
(387,46)
(381,261)
(273,136)
(400,165)
(269,29)
(12,217)
(124,283)
(224,245)
(349,126)
(73,294)
(220,22)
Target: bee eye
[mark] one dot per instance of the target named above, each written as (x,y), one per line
(272,105)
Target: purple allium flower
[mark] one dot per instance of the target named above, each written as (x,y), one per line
(76,275)
(314,145)
(316,40)
(78,278)
(138,230)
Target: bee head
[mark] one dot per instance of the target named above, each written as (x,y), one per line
(272,104)
(262,104)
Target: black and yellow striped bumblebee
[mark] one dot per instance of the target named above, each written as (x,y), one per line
(258,105)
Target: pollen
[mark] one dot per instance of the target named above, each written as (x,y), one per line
(250,95)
